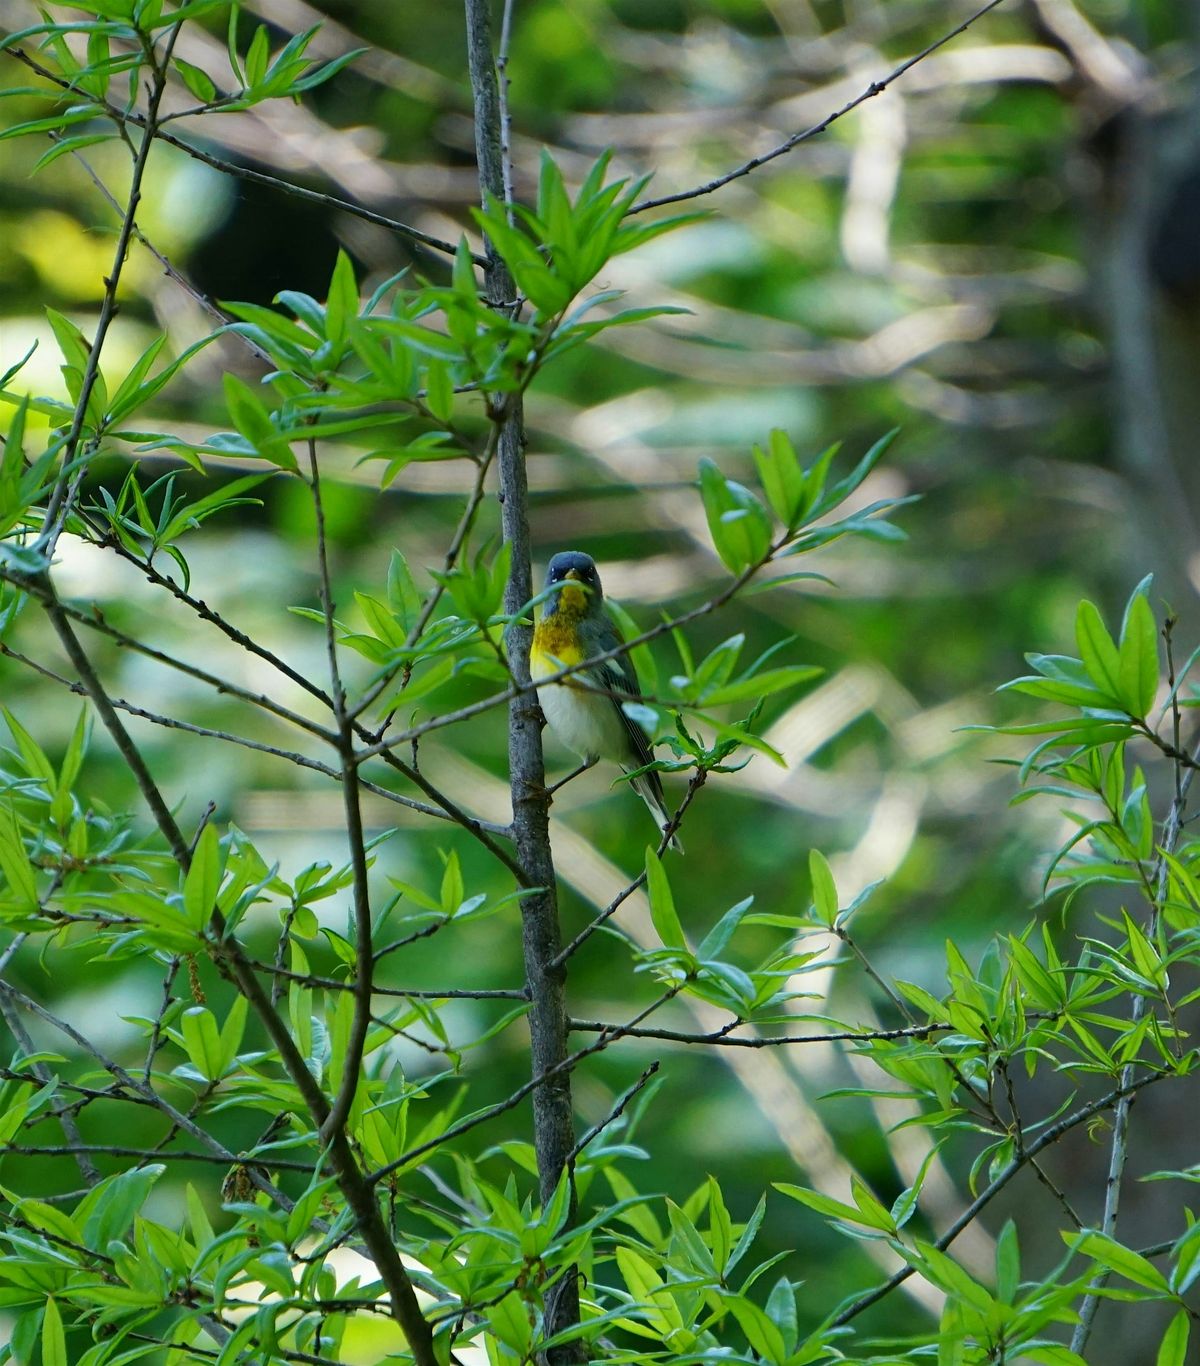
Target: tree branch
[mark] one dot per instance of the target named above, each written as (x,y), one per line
(875,88)
(986,1196)
(233,168)
(554,1136)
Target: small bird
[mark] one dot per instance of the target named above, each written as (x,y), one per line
(586,710)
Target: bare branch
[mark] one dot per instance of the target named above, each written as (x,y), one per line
(232,168)
(58,504)
(875,88)
(988,1194)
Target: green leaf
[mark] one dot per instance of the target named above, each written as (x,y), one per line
(324,73)
(844,487)
(342,305)
(781,1310)
(253,421)
(662,904)
(874,1214)
(825,897)
(46,1217)
(509,1322)
(108,1210)
(716,939)
(945,1273)
(232,1032)
(65,146)
(761,1333)
(1172,1350)
(257,57)
(197,81)
(737,521)
(1008,1264)
(203,880)
(135,390)
(1123,1260)
(1097,650)
(905,1204)
(439,391)
(1138,668)
(781,476)
(14,861)
(53,124)
(404,598)
(54,1341)
(202,1041)
(828,1206)
(762,684)
(202,1230)
(33,757)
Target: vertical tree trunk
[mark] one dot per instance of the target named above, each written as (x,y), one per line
(552,1111)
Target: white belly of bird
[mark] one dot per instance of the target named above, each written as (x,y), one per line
(586,722)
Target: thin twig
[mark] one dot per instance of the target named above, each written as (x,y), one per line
(1120,1136)
(354,1188)
(364,957)
(39,588)
(875,88)
(157,1028)
(444,811)
(58,504)
(668,834)
(310,979)
(232,168)
(453,550)
(724,1038)
(986,1196)
(566,1065)
(615,1113)
(61,1107)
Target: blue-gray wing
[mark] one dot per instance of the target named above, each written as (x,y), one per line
(616,677)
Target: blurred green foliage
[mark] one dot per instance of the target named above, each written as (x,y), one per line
(941,260)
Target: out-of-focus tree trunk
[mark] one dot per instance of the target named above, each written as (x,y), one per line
(1142,182)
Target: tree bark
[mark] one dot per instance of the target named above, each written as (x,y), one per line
(548,1022)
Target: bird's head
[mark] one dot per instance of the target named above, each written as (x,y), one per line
(574,575)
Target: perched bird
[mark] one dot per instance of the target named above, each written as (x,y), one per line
(585,710)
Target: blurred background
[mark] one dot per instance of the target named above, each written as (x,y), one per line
(999,255)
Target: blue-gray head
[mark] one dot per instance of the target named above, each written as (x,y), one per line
(571,567)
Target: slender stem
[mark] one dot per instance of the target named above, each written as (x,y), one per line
(618,1109)
(724,1036)
(597,921)
(536,1083)
(364,959)
(39,588)
(62,1108)
(124,119)
(875,88)
(58,504)
(356,1190)
(1121,1115)
(214,618)
(989,1193)
(453,550)
(445,810)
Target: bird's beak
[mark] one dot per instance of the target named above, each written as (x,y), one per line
(574,574)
